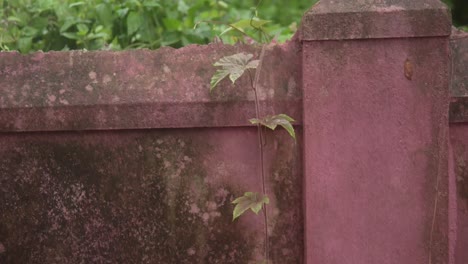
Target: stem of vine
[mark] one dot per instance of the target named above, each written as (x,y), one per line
(261,140)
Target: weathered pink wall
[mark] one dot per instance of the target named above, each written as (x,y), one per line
(459,170)
(459,148)
(125,157)
(140,89)
(145,196)
(375,132)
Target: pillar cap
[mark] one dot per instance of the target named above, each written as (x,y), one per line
(370,19)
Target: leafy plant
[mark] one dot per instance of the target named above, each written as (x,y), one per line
(459,10)
(31,25)
(250,200)
(276,120)
(235,66)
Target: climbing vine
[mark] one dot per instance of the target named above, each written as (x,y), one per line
(234,67)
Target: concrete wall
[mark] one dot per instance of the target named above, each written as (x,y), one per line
(459,146)
(376,98)
(125,157)
(459,171)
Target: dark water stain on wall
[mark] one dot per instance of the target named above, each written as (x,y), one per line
(461,171)
(90,198)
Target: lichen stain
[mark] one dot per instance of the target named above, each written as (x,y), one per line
(89,88)
(92,75)
(166,69)
(94,198)
(285,172)
(408,69)
(462,174)
(106,79)
(51,98)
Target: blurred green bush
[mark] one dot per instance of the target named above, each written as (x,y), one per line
(30,25)
(459,12)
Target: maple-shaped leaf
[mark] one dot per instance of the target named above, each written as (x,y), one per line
(250,200)
(276,120)
(233,66)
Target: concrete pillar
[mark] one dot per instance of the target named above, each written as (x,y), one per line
(375,80)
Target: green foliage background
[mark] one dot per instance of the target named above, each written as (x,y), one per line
(30,25)
(459,12)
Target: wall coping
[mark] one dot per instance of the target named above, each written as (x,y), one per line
(166,88)
(459,54)
(459,77)
(369,19)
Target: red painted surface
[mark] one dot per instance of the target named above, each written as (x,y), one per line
(371,19)
(381,183)
(459,170)
(166,88)
(459,50)
(146,196)
(92,169)
(375,151)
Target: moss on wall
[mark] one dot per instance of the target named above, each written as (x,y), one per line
(73,198)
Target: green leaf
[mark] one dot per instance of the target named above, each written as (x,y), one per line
(170,38)
(182,7)
(122,12)
(6,38)
(253,29)
(69,35)
(134,21)
(222,4)
(172,24)
(276,120)
(4,47)
(68,23)
(233,66)
(250,200)
(76,4)
(151,3)
(14,19)
(24,44)
(82,29)
(40,23)
(245,24)
(104,14)
(29,31)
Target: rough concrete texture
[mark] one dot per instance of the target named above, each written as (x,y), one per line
(146,196)
(375,150)
(459,48)
(459,169)
(167,88)
(92,177)
(459,109)
(459,82)
(367,19)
